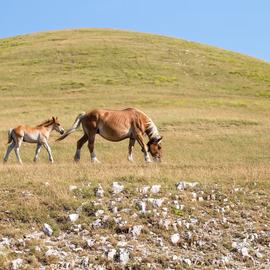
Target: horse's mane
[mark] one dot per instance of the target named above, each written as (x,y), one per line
(45,123)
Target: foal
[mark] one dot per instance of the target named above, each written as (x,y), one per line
(116,126)
(39,135)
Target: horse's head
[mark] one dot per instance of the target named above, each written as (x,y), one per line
(154,147)
(56,125)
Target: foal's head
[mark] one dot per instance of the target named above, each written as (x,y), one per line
(154,147)
(56,125)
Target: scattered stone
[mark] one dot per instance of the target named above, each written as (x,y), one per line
(175,238)
(155,188)
(47,229)
(97,223)
(187,261)
(183,185)
(72,187)
(90,243)
(73,217)
(244,252)
(117,188)
(142,206)
(99,192)
(136,230)
(157,202)
(258,254)
(111,254)
(122,256)
(17,264)
(144,189)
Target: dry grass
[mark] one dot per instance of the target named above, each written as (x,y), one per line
(212,107)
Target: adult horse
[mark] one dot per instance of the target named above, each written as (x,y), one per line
(39,135)
(116,126)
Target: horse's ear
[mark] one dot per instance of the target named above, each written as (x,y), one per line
(159,140)
(53,118)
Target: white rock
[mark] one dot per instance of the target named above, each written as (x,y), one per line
(244,252)
(72,187)
(99,192)
(97,223)
(52,252)
(155,188)
(136,230)
(117,188)
(47,229)
(182,185)
(123,256)
(194,196)
(175,238)
(99,213)
(157,202)
(90,242)
(174,258)
(200,199)
(165,223)
(258,254)
(144,189)
(111,254)
(187,261)
(16,264)
(142,206)
(73,217)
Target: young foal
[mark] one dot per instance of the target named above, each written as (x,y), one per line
(116,126)
(39,135)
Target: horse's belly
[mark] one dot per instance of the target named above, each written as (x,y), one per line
(113,135)
(30,138)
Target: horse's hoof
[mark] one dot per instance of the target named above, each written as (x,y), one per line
(96,161)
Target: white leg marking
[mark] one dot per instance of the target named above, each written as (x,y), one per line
(94,158)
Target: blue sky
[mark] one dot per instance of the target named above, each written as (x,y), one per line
(238,25)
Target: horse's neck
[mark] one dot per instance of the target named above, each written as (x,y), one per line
(48,129)
(151,130)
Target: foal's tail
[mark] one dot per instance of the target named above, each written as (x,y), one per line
(10,139)
(76,124)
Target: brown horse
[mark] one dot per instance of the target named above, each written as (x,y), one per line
(116,126)
(39,135)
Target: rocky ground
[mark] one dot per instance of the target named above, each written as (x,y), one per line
(190,227)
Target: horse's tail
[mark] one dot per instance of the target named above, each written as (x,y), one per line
(76,124)
(9,136)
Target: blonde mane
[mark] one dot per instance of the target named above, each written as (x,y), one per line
(151,129)
(45,123)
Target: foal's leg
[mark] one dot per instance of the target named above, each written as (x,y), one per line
(37,151)
(17,149)
(80,144)
(91,141)
(130,147)
(9,149)
(144,147)
(48,148)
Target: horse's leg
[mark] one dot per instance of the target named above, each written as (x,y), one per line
(80,144)
(91,142)
(130,147)
(139,138)
(37,151)
(17,149)
(48,148)
(9,149)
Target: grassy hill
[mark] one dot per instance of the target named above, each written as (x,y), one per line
(212,106)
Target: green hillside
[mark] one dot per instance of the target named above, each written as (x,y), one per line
(212,107)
